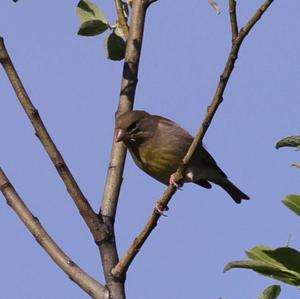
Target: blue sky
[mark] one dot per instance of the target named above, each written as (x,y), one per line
(75,89)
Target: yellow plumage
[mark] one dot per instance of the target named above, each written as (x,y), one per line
(157,146)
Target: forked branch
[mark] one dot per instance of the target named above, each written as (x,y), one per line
(125,261)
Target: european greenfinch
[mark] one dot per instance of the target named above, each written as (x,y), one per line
(157,146)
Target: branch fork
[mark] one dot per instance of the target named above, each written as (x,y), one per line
(237,38)
(101,225)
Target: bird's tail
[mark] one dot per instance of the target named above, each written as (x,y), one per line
(236,194)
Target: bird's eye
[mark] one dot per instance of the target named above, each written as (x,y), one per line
(132,127)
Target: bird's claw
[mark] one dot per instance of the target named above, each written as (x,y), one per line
(174,182)
(158,209)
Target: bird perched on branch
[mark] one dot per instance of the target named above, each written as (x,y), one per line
(157,146)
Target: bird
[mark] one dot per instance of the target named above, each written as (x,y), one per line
(158,145)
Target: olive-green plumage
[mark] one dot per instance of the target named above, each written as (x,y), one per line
(157,146)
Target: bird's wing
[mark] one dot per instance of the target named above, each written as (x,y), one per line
(207,160)
(181,140)
(203,183)
(176,133)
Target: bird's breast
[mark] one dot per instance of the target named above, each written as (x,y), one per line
(159,163)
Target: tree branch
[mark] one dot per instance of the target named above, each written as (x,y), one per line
(95,224)
(86,211)
(244,31)
(233,19)
(75,273)
(125,261)
(118,154)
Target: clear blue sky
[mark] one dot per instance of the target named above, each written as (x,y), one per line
(76,91)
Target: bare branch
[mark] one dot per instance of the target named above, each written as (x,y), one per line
(218,97)
(244,31)
(125,261)
(93,221)
(116,166)
(75,273)
(233,19)
(81,202)
(121,268)
(128,87)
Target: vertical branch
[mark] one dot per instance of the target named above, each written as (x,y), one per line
(233,19)
(128,87)
(114,176)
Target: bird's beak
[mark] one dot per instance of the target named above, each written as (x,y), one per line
(120,134)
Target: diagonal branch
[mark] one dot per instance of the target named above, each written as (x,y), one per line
(75,273)
(125,261)
(218,97)
(41,132)
(244,31)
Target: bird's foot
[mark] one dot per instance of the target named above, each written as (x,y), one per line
(174,182)
(160,210)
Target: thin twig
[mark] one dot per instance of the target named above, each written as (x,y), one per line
(122,20)
(233,19)
(116,166)
(125,261)
(86,211)
(255,18)
(121,268)
(75,273)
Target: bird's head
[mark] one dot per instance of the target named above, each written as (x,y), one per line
(134,126)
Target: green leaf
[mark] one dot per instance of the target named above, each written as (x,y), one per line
(260,267)
(282,263)
(271,292)
(115,47)
(258,253)
(292,201)
(288,257)
(92,28)
(92,19)
(293,141)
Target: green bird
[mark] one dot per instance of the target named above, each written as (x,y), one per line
(157,146)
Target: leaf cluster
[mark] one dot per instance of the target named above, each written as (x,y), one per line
(282,263)
(94,22)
